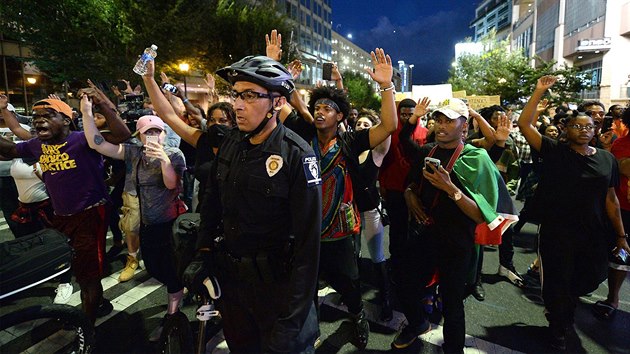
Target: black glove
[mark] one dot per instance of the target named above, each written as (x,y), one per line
(197,270)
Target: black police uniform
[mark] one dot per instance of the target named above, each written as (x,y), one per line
(265,200)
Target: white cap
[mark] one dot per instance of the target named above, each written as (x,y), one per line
(453,108)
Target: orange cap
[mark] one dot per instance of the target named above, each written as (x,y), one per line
(54,104)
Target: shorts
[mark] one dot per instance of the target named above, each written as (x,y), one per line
(130,221)
(86,231)
(614,262)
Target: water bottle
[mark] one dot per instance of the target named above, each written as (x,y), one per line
(141,65)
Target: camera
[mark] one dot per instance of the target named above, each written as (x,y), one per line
(131,107)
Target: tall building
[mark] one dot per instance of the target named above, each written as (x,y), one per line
(311,37)
(492,15)
(592,35)
(406,79)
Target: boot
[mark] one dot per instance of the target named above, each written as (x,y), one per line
(384,291)
(361,330)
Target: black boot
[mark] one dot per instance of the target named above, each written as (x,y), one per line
(361,330)
(384,288)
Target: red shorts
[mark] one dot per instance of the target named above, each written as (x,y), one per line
(86,231)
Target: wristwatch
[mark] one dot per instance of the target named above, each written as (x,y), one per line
(456,196)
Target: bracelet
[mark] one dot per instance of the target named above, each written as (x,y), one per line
(391,87)
(623,236)
(185,100)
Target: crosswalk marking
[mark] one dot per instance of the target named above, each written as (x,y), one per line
(58,340)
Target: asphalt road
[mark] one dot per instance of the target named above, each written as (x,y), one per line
(510,320)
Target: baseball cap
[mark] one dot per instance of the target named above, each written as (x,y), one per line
(453,108)
(147,122)
(54,104)
(10,108)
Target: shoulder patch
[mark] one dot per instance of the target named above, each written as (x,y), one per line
(311,170)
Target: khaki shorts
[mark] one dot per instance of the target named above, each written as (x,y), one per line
(130,220)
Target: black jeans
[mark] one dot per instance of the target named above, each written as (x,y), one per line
(9,202)
(422,257)
(156,244)
(399,217)
(338,266)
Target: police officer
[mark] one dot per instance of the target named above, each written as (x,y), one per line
(261,219)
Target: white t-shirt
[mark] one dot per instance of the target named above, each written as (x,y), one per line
(30,188)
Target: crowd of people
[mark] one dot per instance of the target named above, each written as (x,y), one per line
(288,190)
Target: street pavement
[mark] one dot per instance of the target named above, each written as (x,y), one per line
(510,320)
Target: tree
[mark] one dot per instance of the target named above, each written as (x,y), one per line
(499,71)
(72,40)
(360,92)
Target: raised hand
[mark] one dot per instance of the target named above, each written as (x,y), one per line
(383,69)
(422,107)
(128,89)
(335,75)
(542,106)
(86,102)
(164,78)
(209,81)
(503,128)
(274,45)
(295,68)
(91,93)
(545,82)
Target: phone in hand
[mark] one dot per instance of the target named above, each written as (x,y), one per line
(152,139)
(171,88)
(433,161)
(327,71)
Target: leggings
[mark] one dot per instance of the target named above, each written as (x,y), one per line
(373,231)
(158,254)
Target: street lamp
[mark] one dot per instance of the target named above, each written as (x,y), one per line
(31,80)
(184,67)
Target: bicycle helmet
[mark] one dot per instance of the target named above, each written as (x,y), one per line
(262,71)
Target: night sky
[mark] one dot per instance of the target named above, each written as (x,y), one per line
(420,32)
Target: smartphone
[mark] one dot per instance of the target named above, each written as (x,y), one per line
(327,71)
(622,255)
(152,139)
(171,88)
(430,160)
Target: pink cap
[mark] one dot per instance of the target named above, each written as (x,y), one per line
(147,122)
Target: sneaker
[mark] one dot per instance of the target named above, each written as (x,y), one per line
(408,335)
(361,331)
(104,309)
(64,291)
(511,273)
(130,269)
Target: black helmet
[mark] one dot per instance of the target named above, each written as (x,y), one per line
(262,71)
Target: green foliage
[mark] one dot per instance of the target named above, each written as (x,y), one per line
(360,91)
(101,39)
(499,71)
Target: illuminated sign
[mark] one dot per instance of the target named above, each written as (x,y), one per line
(587,45)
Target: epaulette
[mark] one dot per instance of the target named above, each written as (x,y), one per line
(296,140)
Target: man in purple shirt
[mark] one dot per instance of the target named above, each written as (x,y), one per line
(73,174)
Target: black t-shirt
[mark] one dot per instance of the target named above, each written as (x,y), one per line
(450,223)
(574,187)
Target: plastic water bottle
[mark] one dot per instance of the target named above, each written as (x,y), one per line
(141,65)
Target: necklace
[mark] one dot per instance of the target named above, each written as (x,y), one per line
(590,151)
